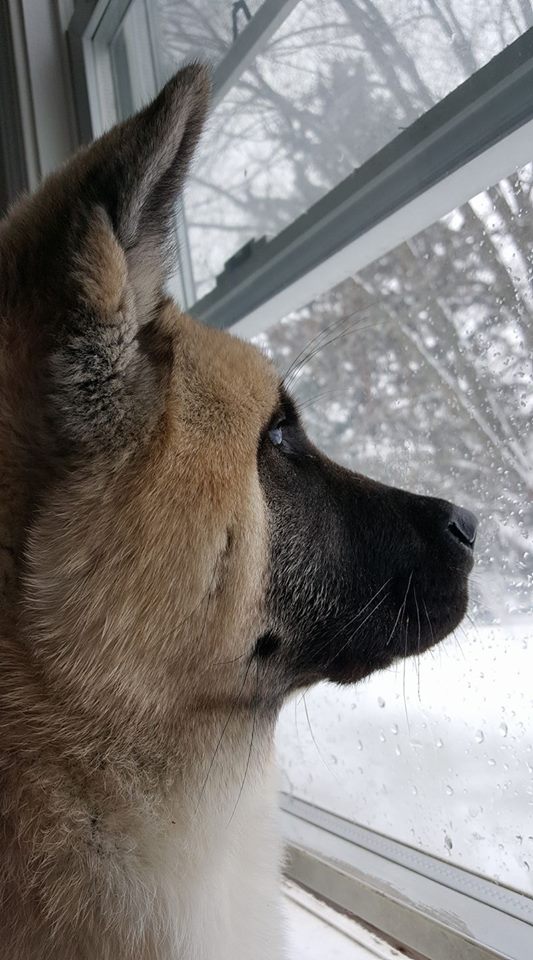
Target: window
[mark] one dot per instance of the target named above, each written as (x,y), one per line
(366,188)
(288,129)
(431,390)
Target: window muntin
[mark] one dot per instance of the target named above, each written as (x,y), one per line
(334,84)
(427,384)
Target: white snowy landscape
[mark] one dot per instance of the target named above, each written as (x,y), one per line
(443,762)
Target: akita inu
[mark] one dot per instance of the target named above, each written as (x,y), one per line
(177,558)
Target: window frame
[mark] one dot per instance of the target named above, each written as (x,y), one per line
(429,906)
(432,907)
(478,134)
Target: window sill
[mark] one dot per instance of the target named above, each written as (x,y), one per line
(426,915)
(315,930)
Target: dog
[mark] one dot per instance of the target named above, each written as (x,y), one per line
(177,559)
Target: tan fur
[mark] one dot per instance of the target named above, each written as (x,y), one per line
(133,577)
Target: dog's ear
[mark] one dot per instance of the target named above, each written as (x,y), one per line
(114,345)
(137,170)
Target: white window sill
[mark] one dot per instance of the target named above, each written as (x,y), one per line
(316,931)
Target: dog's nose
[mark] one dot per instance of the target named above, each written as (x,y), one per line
(462,524)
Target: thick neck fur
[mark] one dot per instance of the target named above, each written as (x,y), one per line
(137,774)
(131,839)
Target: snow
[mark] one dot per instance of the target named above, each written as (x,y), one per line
(447,769)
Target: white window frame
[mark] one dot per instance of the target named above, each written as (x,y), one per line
(479,134)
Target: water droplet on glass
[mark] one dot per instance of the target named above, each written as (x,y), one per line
(449,791)
(504,730)
(395,729)
(491,762)
(448,842)
(382,737)
(381,702)
(359,745)
(414,791)
(397,751)
(480,736)
(439,743)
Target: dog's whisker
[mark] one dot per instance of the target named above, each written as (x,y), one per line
(327,343)
(303,355)
(456,638)
(346,626)
(418,643)
(248,758)
(360,627)
(395,624)
(220,739)
(472,623)
(224,663)
(403,609)
(318,750)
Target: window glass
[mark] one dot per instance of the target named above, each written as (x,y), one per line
(198,29)
(334,83)
(422,377)
(134,76)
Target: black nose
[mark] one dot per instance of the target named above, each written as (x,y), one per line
(462,524)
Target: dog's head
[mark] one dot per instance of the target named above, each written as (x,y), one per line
(178,542)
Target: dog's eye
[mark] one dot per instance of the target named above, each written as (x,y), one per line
(275,432)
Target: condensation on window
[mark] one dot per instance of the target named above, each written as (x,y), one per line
(420,374)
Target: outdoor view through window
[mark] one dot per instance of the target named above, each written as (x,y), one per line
(430,388)
(424,381)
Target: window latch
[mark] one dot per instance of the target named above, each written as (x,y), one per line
(244,253)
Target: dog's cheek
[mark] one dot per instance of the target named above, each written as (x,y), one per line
(305,571)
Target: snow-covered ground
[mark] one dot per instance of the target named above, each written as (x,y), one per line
(440,759)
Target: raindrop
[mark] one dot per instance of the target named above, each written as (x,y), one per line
(439,743)
(449,791)
(395,729)
(491,762)
(448,842)
(382,737)
(381,702)
(414,791)
(504,730)
(397,751)
(359,745)
(480,736)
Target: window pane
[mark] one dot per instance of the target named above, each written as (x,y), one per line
(198,29)
(336,82)
(134,79)
(425,381)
